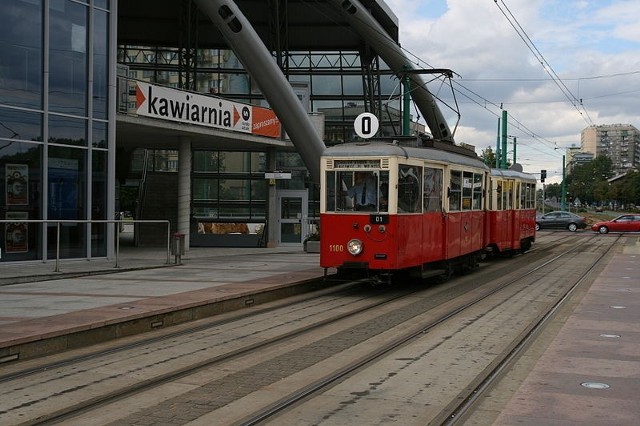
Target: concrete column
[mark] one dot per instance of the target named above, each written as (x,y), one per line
(184,188)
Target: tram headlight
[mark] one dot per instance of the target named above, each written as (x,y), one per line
(354,247)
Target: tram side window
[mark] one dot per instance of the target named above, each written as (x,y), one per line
(432,190)
(528,196)
(477,191)
(507,194)
(532,196)
(455,191)
(467,190)
(516,196)
(409,193)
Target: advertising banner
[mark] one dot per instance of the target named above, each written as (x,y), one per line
(185,107)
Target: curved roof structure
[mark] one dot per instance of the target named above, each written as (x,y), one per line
(310,25)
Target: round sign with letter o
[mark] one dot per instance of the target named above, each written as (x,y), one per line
(366,125)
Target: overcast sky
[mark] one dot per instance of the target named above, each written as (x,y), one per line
(593,46)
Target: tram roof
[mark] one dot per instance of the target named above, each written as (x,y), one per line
(368,149)
(314,26)
(513,174)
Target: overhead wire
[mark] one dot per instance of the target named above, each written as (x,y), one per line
(573,100)
(519,125)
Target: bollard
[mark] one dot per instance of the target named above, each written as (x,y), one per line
(177,247)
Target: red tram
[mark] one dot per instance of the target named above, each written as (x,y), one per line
(387,208)
(511,211)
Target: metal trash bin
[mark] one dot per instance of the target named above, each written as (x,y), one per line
(178,247)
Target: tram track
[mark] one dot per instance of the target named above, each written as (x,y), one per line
(454,411)
(72,362)
(459,411)
(61,360)
(436,296)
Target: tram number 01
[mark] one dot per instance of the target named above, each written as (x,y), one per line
(379,219)
(337,248)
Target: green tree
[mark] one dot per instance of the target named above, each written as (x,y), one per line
(601,192)
(488,156)
(631,188)
(553,190)
(584,179)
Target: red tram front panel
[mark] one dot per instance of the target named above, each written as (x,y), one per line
(378,240)
(402,241)
(394,242)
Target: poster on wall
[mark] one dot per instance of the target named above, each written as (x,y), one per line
(16,235)
(17,184)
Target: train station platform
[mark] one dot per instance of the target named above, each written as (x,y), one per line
(589,372)
(44,311)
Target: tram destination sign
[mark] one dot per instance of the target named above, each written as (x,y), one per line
(356,164)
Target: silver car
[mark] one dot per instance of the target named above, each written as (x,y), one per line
(560,220)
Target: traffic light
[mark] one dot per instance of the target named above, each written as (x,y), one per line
(543,175)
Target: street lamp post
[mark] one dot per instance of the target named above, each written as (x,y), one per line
(563,195)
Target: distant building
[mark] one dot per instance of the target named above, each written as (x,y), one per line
(620,142)
(575,156)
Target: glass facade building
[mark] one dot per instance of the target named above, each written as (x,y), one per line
(54,127)
(66,82)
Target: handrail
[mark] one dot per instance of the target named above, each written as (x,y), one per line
(117,245)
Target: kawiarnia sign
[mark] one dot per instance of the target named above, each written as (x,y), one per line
(186,107)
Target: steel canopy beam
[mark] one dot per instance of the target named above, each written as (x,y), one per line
(374,34)
(259,62)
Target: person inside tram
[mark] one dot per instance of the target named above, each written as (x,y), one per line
(364,191)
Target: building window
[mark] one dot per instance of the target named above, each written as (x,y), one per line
(21,53)
(229,185)
(68,58)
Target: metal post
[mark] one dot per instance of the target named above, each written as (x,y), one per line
(503,157)
(563,195)
(514,149)
(498,145)
(117,245)
(58,247)
(405,105)
(168,243)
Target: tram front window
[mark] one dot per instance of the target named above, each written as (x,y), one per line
(357,191)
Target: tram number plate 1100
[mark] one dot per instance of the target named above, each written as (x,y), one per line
(379,219)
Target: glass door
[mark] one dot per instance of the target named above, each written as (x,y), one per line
(293,224)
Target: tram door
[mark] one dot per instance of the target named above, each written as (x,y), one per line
(293,225)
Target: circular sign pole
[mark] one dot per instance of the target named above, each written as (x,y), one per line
(366,125)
